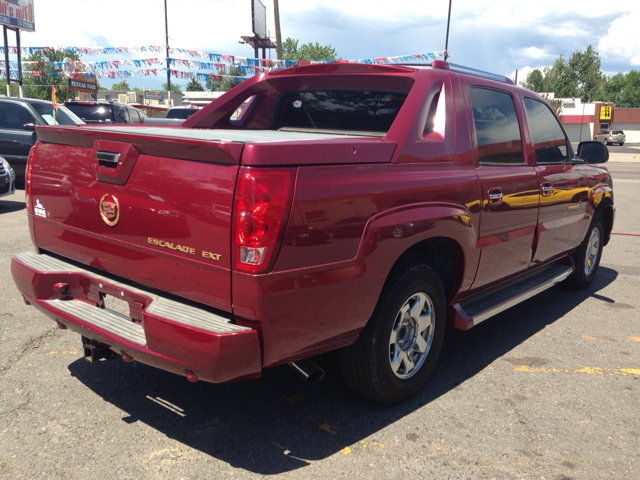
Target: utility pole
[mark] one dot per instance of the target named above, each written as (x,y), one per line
(166,26)
(276,13)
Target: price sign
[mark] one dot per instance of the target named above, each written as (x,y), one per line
(605,112)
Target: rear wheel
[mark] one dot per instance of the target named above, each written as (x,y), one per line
(587,257)
(398,348)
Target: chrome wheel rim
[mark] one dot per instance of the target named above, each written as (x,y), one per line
(411,335)
(593,250)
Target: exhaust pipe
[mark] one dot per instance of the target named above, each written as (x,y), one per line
(308,370)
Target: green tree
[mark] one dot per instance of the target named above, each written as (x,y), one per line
(623,89)
(578,76)
(589,78)
(534,81)
(15,91)
(194,86)
(308,51)
(561,79)
(175,88)
(226,83)
(122,86)
(40,87)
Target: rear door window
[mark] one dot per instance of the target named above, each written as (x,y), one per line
(349,110)
(91,113)
(133,116)
(14,117)
(549,140)
(121,114)
(497,127)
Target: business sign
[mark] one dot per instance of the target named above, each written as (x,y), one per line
(153,96)
(82,86)
(605,112)
(17,14)
(259,18)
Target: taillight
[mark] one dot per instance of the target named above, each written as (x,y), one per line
(262,202)
(27,181)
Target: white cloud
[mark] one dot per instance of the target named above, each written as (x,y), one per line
(622,42)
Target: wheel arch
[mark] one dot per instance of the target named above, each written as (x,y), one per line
(601,203)
(442,236)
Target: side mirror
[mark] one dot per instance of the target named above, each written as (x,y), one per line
(593,152)
(31,127)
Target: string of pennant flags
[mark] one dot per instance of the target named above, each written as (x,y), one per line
(212,57)
(201,77)
(218,63)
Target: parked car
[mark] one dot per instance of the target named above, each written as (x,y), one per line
(18,120)
(7,179)
(609,137)
(181,112)
(106,112)
(173,116)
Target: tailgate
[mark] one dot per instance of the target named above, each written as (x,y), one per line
(154,211)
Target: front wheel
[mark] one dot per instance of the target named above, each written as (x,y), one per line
(398,348)
(587,257)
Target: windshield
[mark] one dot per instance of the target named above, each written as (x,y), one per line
(64,116)
(181,112)
(346,110)
(91,113)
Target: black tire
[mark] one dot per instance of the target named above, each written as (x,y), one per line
(366,365)
(584,273)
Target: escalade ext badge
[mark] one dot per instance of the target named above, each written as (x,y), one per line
(110,210)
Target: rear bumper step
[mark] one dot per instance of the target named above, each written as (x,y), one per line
(471,311)
(159,331)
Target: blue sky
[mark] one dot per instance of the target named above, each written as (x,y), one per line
(495,36)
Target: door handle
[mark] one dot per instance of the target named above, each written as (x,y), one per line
(546,188)
(495,196)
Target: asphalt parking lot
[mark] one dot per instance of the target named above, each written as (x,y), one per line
(549,389)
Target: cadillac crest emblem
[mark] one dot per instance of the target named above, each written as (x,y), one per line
(110,210)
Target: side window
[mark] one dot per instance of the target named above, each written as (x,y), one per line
(548,138)
(133,116)
(497,127)
(14,116)
(121,114)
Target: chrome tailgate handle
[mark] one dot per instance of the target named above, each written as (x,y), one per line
(108,159)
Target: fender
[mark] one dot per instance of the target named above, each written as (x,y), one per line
(602,194)
(391,233)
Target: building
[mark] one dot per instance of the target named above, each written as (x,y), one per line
(139,98)
(582,121)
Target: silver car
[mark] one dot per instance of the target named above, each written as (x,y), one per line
(7,178)
(609,137)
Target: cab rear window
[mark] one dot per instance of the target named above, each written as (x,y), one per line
(342,110)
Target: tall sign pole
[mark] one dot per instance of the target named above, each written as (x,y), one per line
(19,61)
(166,26)
(6,60)
(276,13)
(446,42)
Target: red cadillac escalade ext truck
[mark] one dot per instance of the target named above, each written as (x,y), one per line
(363,208)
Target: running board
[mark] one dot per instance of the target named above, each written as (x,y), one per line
(498,299)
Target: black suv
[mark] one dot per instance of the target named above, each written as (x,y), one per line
(18,120)
(106,112)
